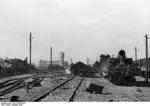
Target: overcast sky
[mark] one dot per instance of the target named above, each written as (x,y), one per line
(80,28)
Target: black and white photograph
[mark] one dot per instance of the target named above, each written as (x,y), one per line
(74,51)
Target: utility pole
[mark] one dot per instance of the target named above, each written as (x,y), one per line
(135,54)
(87,61)
(146,51)
(51,59)
(30,51)
(71,61)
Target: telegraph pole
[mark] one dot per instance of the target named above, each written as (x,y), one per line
(146,51)
(135,54)
(87,61)
(51,59)
(30,51)
(71,61)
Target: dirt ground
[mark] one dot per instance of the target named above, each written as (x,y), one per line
(110,92)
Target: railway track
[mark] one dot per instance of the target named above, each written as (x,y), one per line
(70,99)
(51,90)
(14,79)
(74,93)
(14,84)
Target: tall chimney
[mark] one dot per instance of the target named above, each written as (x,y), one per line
(62,55)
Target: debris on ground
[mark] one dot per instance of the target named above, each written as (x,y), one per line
(63,78)
(14,98)
(87,84)
(37,81)
(93,88)
(33,82)
(67,71)
(138,90)
(111,100)
(1,97)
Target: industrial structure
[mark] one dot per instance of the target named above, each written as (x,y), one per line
(44,65)
(62,55)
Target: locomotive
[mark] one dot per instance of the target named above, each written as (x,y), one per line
(120,69)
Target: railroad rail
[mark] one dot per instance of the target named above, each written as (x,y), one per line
(71,98)
(51,90)
(74,93)
(14,84)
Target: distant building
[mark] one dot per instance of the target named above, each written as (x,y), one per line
(142,63)
(44,65)
(5,63)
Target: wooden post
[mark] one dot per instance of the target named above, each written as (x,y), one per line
(146,52)
(135,54)
(30,52)
(51,59)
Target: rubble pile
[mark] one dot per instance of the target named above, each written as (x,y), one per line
(79,69)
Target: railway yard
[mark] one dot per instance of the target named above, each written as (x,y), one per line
(109,80)
(56,87)
(74,51)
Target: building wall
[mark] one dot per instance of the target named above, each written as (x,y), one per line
(142,63)
(43,65)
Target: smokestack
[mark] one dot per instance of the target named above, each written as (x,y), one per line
(62,55)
